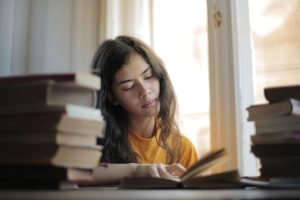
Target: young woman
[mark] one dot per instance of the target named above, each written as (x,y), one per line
(138,103)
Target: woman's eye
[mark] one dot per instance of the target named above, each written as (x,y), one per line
(148,77)
(128,88)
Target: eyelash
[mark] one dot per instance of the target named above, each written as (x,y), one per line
(126,89)
(147,77)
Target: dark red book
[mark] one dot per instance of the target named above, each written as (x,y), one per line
(80,78)
(274,94)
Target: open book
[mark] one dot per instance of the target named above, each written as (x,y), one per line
(192,177)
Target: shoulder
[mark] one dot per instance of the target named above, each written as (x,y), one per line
(185,141)
(188,154)
(186,146)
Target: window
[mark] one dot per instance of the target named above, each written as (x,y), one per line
(180,39)
(276,44)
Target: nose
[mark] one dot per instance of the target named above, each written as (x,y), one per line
(144,91)
(145,95)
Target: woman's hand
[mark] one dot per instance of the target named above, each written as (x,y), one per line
(173,171)
(107,173)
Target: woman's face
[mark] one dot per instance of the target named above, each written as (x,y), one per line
(136,88)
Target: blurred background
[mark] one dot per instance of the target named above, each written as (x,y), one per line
(62,35)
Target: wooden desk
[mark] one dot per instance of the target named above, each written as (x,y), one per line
(112,194)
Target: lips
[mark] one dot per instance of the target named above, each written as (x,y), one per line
(149,104)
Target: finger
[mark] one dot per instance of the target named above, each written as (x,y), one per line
(164,173)
(153,171)
(176,169)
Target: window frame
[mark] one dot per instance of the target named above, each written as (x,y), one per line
(231,82)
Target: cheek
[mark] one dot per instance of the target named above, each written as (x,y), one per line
(156,87)
(126,100)
(120,96)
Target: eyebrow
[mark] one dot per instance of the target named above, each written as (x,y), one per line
(128,80)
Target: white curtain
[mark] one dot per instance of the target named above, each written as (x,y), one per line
(62,35)
(132,17)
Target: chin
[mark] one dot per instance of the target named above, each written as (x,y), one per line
(153,113)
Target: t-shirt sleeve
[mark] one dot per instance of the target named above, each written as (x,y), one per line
(188,153)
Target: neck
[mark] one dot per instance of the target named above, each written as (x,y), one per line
(143,127)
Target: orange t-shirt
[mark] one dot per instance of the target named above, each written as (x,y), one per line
(150,151)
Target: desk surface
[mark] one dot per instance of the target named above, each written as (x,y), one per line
(111,194)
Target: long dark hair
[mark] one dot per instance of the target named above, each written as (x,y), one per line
(108,59)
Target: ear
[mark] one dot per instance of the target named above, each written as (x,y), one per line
(112,100)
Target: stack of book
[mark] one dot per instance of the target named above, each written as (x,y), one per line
(276,141)
(49,129)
